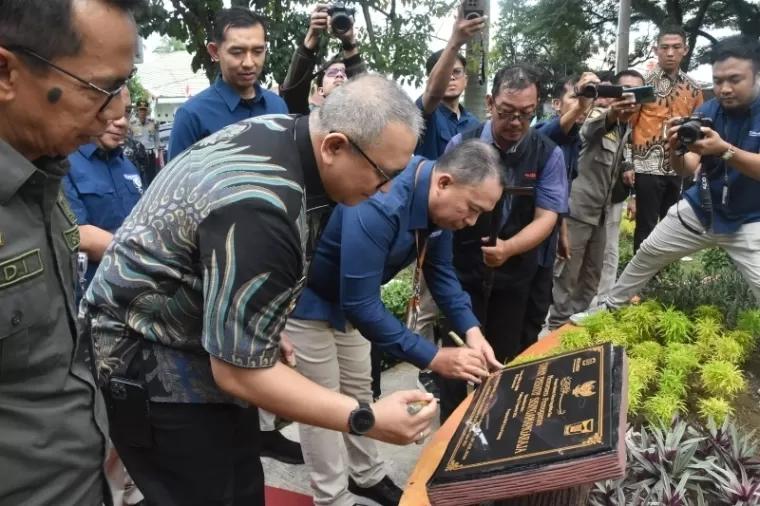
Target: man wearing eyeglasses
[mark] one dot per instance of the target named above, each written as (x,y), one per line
(297,85)
(496,259)
(63,67)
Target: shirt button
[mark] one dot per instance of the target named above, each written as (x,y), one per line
(16,318)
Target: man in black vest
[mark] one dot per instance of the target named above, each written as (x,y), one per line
(497,258)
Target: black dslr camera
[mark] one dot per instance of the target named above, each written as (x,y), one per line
(340,17)
(690,131)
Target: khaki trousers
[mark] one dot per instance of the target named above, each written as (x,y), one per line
(339,361)
(611,249)
(671,241)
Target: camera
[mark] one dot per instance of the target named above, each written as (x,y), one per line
(690,131)
(474,9)
(340,17)
(593,90)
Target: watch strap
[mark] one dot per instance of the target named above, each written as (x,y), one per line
(727,154)
(361,407)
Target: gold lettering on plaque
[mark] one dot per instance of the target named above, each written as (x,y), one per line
(589,361)
(564,389)
(532,410)
(576,365)
(583,427)
(585,389)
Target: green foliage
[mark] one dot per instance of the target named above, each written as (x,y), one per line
(576,338)
(662,407)
(722,379)
(395,296)
(745,339)
(642,320)
(643,369)
(595,322)
(616,335)
(715,260)
(714,407)
(627,228)
(749,321)
(673,383)
(707,330)
(681,358)
(728,349)
(674,326)
(651,350)
(136,90)
(708,312)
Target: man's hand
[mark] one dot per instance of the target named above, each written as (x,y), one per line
(345,37)
(631,210)
(317,26)
(465,29)
(287,351)
(629,178)
(494,256)
(477,341)
(621,107)
(586,79)
(709,145)
(394,424)
(460,363)
(563,245)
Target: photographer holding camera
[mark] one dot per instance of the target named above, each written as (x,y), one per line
(723,209)
(339,21)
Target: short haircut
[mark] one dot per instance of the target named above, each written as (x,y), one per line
(516,77)
(472,162)
(235,17)
(605,75)
(363,107)
(671,30)
(558,90)
(740,47)
(629,73)
(433,59)
(47,27)
(321,75)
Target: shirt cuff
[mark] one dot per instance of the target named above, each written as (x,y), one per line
(423,353)
(463,322)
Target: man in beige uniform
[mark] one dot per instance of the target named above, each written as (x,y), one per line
(63,66)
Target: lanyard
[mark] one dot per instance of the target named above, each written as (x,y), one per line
(413,306)
(743,133)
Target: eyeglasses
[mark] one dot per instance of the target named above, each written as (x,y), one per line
(387,178)
(335,72)
(109,94)
(524,117)
(457,73)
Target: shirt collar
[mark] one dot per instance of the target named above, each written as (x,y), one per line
(231,97)
(315,190)
(662,74)
(418,211)
(487,136)
(91,149)
(452,115)
(17,170)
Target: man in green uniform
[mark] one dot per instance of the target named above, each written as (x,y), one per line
(63,67)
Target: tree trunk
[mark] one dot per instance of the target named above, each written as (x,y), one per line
(574,496)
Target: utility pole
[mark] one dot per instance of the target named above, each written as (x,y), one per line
(623,35)
(475,93)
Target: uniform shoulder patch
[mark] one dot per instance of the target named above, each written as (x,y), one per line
(25,266)
(65,207)
(595,113)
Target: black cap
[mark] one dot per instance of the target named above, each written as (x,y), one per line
(141,104)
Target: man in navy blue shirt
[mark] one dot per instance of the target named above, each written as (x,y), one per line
(102,188)
(362,248)
(240,47)
(728,156)
(444,117)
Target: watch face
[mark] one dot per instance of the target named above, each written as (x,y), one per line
(363,420)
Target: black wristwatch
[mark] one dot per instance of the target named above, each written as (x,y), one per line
(361,420)
(348,46)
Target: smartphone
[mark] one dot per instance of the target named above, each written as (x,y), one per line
(643,94)
(474,9)
(129,411)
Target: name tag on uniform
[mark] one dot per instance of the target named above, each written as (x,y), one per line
(135,181)
(435,234)
(25,266)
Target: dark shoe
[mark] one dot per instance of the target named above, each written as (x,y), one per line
(384,493)
(276,446)
(426,381)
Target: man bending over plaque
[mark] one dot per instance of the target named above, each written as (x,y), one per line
(362,248)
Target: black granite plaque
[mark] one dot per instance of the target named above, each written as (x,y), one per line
(536,414)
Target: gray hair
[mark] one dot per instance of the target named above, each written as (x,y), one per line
(472,162)
(363,107)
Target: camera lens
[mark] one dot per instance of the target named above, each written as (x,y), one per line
(341,23)
(690,132)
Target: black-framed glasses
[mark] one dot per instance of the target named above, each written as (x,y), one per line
(387,178)
(457,73)
(109,94)
(524,117)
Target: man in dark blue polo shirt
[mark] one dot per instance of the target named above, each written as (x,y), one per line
(362,248)
(102,187)
(728,156)
(240,47)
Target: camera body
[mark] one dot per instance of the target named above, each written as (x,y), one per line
(593,90)
(690,131)
(474,9)
(340,17)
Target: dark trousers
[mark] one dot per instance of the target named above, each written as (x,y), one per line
(539,302)
(504,317)
(376,359)
(654,196)
(202,455)
(151,170)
